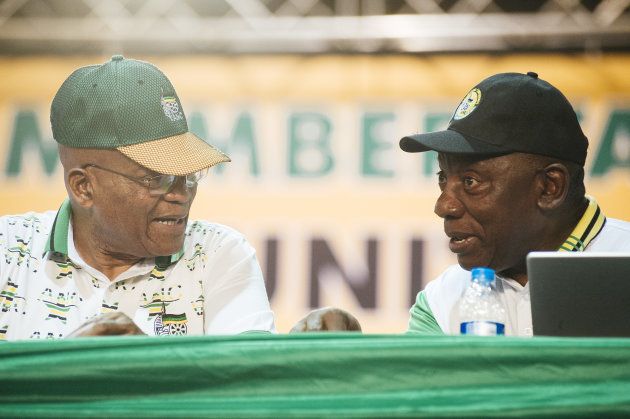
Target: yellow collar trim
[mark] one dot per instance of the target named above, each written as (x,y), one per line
(586,229)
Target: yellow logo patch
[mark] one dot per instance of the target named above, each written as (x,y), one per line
(468,105)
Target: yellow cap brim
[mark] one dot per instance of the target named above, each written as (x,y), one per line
(177,155)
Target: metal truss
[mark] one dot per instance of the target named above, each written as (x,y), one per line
(311,26)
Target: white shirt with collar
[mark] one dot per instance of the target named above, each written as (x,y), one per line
(436,309)
(214,285)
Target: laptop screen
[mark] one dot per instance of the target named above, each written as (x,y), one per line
(579,294)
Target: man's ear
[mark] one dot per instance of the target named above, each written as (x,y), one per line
(555,186)
(80,187)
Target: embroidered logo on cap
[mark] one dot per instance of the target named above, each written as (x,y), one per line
(171,108)
(468,105)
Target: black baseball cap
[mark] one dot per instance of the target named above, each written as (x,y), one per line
(507,113)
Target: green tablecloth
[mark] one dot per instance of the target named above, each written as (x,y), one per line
(315,375)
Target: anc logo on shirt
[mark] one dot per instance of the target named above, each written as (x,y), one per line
(170,324)
(468,105)
(174,324)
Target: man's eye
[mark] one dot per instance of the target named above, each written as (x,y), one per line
(441,177)
(469,182)
(154,181)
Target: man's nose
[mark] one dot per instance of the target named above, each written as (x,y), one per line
(448,206)
(179,192)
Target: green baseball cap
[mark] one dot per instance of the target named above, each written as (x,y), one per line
(130,106)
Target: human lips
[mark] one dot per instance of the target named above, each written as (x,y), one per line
(460,241)
(171,220)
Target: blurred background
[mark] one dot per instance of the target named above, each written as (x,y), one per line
(310,98)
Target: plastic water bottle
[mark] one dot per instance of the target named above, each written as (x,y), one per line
(480,311)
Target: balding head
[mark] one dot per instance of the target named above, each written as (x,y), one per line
(113,209)
(72,158)
(78,181)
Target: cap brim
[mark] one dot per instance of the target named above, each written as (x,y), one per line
(177,155)
(448,141)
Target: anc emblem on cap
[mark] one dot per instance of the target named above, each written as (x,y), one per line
(468,105)
(171,108)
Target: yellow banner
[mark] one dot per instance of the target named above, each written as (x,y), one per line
(339,215)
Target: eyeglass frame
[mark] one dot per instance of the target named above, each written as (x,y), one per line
(146,180)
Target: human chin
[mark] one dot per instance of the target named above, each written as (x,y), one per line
(165,240)
(469,261)
(164,248)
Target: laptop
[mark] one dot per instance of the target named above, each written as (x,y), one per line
(579,294)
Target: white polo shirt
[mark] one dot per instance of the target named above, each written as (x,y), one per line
(436,309)
(214,285)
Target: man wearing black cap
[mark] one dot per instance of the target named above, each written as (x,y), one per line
(511,180)
(120,256)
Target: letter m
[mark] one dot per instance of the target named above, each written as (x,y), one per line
(26,134)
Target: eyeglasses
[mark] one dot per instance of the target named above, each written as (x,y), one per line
(159,184)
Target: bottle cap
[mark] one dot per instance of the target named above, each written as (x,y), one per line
(483,275)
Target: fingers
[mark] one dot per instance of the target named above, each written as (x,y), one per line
(337,319)
(327,319)
(110,324)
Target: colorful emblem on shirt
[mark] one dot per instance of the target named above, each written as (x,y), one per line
(157,273)
(109,308)
(123,285)
(27,222)
(64,265)
(20,252)
(9,298)
(198,304)
(171,324)
(198,256)
(58,306)
(171,108)
(50,335)
(198,228)
(3,332)
(159,301)
(468,105)
(65,270)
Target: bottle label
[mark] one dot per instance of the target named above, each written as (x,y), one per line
(484,328)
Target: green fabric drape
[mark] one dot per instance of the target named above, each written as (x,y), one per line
(315,375)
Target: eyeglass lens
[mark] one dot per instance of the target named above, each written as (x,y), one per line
(162,184)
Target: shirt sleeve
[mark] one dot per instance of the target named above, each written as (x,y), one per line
(422,321)
(235,298)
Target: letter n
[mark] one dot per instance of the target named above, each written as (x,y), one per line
(363,286)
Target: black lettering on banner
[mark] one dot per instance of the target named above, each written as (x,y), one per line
(363,287)
(271,265)
(417,267)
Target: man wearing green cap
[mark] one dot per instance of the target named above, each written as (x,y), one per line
(511,180)
(122,243)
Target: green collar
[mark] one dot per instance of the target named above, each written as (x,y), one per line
(586,229)
(58,238)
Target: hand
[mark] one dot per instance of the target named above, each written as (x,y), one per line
(109,324)
(327,319)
